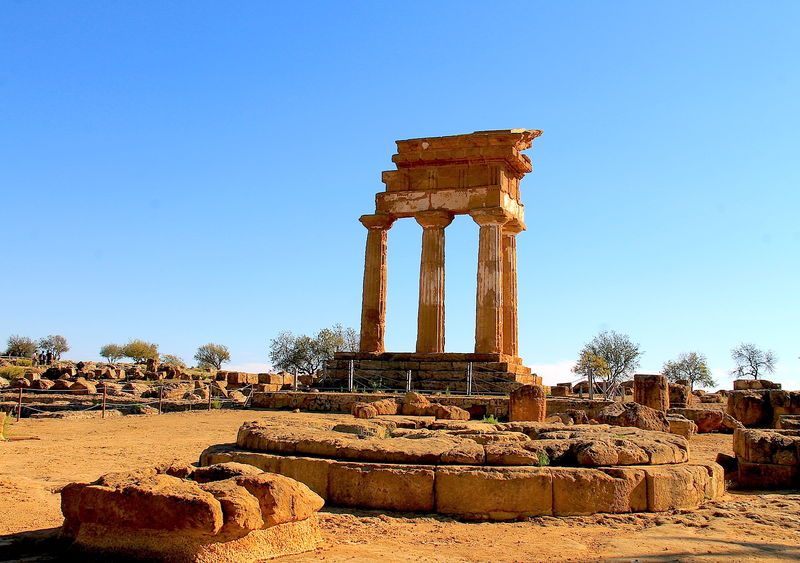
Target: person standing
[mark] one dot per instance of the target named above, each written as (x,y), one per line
(49,357)
(34,359)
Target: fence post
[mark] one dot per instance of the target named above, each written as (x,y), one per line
(591,386)
(19,405)
(408,380)
(295,379)
(209,396)
(160,398)
(469,378)
(105,387)
(350,376)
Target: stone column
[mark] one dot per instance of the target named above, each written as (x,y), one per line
(528,402)
(430,315)
(510,324)
(373,300)
(651,391)
(489,299)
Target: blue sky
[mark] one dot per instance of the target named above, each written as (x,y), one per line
(186,172)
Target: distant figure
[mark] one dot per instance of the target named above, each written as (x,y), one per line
(42,358)
(49,357)
(34,359)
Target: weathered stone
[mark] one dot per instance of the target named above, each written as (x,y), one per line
(528,402)
(751,408)
(682,426)
(579,491)
(364,410)
(651,391)
(83,387)
(395,487)
(634,414)
(451,413)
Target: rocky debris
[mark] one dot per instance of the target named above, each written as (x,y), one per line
(21,382)
(681,425)
(83,387)
(237,397)
(789,422)
(138,389)
(709,420)
(449,412)
(753,384)
(634,414)
(41,384)
(569,417)
(415,404)
(527,402)
(62,384)
(386,406)
(219,389)
(4,383)
(363,410)
(223,513)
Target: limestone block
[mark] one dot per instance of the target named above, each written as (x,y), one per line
(394,487)
(672,487)
(651,391)
(83,387)
(363,410)
(482,493)
(766,476)
(451,413)
(751,408)
(527,402)
(578,491)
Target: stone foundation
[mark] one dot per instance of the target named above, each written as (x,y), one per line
(479,471)
(491,373)
(477,405)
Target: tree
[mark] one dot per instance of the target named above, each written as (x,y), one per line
(307,355)
(171,359)
(55,344)
(691,366)
(592,367)
(751,361)
(212,355)
(112,352)
(140,351)
(21,346)
(619,353)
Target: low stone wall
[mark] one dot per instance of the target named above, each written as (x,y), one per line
(477,405)
(767,459)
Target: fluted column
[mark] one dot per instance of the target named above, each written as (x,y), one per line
(430,315)
(489,299)
(373,300)
(510,324)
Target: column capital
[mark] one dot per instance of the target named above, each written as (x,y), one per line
(513,227)
(490,216)
(434,219)
(377,221)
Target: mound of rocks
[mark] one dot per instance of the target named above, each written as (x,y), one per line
(767,459)
(709,420)
(635,415)
(413,404)
(223,513)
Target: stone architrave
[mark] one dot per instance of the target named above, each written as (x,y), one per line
(489,298)
(528,402)
(651,390)
(373,304)
(510,323)
(430,316)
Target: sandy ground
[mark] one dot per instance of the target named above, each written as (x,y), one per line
(739,527)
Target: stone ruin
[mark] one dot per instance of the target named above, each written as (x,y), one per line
(476,470)
(437,178)
(222,513)
(767,459)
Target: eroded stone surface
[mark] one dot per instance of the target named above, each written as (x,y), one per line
(207,516)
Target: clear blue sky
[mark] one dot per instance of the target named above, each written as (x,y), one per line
(187,172)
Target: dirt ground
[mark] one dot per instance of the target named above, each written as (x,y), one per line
(739,527)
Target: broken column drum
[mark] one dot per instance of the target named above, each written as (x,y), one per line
(477,174)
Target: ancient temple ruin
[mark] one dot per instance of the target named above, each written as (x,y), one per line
(437,178)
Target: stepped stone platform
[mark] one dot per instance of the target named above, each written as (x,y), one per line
(479,471)
(492,373)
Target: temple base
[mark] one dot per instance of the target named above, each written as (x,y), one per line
(491,373)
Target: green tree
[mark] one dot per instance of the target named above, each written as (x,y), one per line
(620,354)
(212,355)
(306,354)
(112,352)
(592,367)
(171,359)
(139,351)
(55,344)
(691,366)
(752,361)
(21,346)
